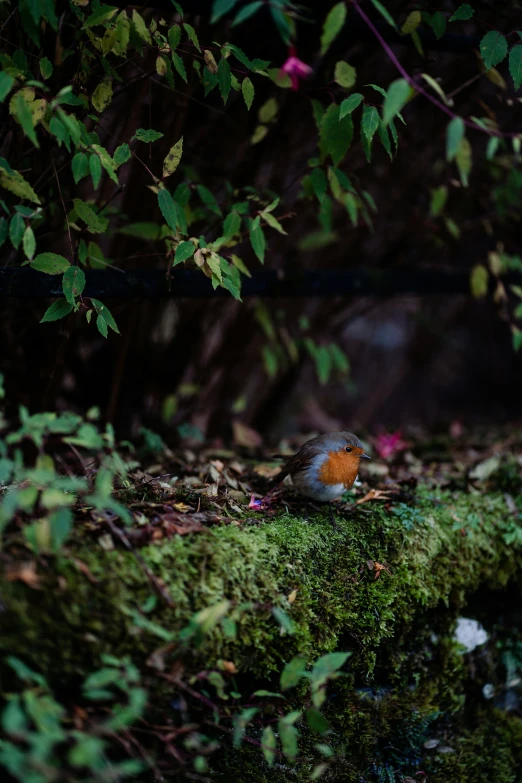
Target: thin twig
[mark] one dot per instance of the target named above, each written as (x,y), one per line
(64,209)
(153,579)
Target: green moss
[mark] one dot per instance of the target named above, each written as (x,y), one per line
(437,551)
(398,626)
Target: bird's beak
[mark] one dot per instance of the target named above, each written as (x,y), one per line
(365,456)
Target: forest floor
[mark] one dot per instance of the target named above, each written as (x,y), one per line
(158,626)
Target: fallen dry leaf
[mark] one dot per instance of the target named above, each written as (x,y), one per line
(228,666)
(182,507)
(374,494)
(245,435)
(212,490)
(179,524)
(267,471)
(24,572)
(373,565)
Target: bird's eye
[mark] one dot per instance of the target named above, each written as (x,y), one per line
(348,449)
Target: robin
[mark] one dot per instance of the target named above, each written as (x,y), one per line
(324,467)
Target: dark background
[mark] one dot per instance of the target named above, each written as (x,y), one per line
(415,359)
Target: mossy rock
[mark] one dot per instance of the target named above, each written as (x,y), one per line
(437,552)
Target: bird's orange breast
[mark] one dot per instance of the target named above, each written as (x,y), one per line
(339,468)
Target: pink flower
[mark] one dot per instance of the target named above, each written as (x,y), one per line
(256,504)
(456,429)
(295,68)
(388,445)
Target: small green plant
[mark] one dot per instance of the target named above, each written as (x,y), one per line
(39,492)
(43,744)
(409,516)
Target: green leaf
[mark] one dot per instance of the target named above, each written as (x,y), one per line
(106,161)
(319,183)
(438,200)
(61,524)
(224,79)
(326,666)
(73,283)
(345,74)
(247,89)
(220,8)
(29,243)
(333,25)
(174,36)
(141,27)
(411,22)
(384,12)
(350,104)
(268,745)
(102,96)
(15,183)
(231,225)
(101,14)
(50,263)
(515,65)
(252,65)
(283,619)
(369,122)
(95,169)
(192,35)
(6,83)
(46,68)
(396,97)
(16,229)
(316,721)
(171,162)
(438,24)
(5,166)
(179,65)
(273,222)
(257,239)
(167,206)
(492,147)
(208,199)
(352,207)
(95,223)
(26,674)
(335,134)
(288,735)
(87,751)
(493,48)
(104,314)
(57,310)
(292,673)
(121,154)
(183,251)
(463,159)
(25,117)
(454,135)
(462,13)
(479,281)
(80,166)
(60,131)
(246,12)
(148,136)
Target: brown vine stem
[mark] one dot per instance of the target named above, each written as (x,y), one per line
(417,87)
(64,209)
